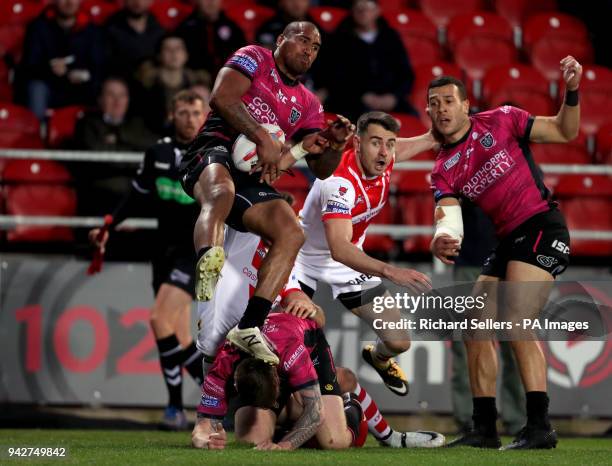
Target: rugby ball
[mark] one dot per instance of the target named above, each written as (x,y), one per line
(244,151)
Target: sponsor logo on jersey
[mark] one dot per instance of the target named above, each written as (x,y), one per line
(452,161)
(296,354)
(546,261)
(359,199)
(342,190)
(211,386)
(250,274)
(179,276)
(245,63)
(329,387)
(294,116)
(487,141)
(209,401)
(162,165)
(220,149)
(506,109)
(280,96)
(364,277)
(334,207)
(488,174)
(274,77)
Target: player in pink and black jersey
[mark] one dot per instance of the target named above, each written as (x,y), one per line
(486,159)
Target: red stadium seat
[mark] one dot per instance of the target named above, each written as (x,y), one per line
(249,17)
(412,126)
(411,181)
(547,52)
(423,74)
(478,25)
(588,214)
(328,17)
(19,127)
(574,152)
(381,243)
(61,124)
(571,185)
(595,98)
(35,171)
(416,210)
(555,25)
(515,11)
(421,50)
(19,12)
(11,41)
(441,11)
(520,84)
(170,13)
(418,33)
(604,144)
(477,55)
(54,200)
(6,90)
(99,10)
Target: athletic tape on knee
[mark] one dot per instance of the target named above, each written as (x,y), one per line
(450,223)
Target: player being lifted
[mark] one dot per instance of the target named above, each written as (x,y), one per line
(257,86)
(335,218)
(486,158)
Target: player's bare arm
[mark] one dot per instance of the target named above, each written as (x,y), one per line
(339,232)
(225,99)
(407,148)
(208,434)
(300,305)
(306,425)
(444,246)
(564,126)
(337,134)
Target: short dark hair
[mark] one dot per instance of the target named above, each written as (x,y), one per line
(377,118)
(445,81)
(186,96)
(255,383)
(164,38)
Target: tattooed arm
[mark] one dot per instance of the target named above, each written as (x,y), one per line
(306,425)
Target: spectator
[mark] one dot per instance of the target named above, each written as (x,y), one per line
(132,35)
(287,12)
(211,37)
(380,77)
(63,58)
(100,185)
(110,128)
(159,84)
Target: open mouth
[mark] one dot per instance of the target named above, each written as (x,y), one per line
(380,164)
(444,121)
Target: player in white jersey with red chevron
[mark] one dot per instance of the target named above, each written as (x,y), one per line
(335,218)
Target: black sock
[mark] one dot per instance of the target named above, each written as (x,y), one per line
(537,410)
(256,312)
(353,413)
(170,358)
(203,251)
(192,361)
(485,415)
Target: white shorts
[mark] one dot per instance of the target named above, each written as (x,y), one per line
(243,255)
(342,279)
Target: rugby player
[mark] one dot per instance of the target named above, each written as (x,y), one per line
(257,86)
(486,158)
(305,383)
(156,191)
(335,217)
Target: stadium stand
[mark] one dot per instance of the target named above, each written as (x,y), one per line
(61,125)
(418,33)
(328,17)
(99,10)
(249,17)
(19,127)
(170,13)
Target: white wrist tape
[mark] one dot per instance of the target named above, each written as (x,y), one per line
(450,222)
(298,151)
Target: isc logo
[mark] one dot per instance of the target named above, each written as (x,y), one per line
(561,246)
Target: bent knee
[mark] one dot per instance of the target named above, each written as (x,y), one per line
(347,380)
(398,346)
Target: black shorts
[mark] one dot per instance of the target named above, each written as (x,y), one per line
(208,149)
(543,241)
(176,268)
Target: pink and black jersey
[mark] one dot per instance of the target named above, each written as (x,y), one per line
(272,97)
(493,167)
(291,338)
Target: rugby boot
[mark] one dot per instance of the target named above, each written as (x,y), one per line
(475,439)
(418,439)
(251,341)
(533,438)
(392,374)
(174,419)
(208,270)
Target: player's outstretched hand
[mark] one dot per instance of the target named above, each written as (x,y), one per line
(572,72)
(208,435)
(99,243)
(299,305)
(338,132)
(268,445)
(414,280)
(315,143)
(445,248)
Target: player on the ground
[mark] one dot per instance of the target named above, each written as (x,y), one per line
(335,218)
(306,383)
(257,86)
(156,191)
(486,158)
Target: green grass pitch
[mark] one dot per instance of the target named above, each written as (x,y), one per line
(119,448)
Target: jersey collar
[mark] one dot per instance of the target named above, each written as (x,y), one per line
(460,141)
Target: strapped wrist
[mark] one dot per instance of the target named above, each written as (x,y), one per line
(571,98)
